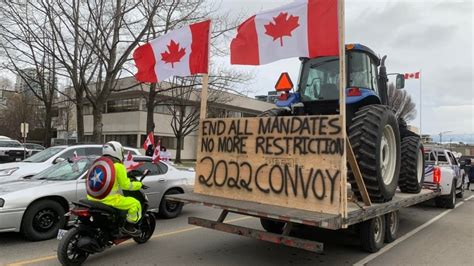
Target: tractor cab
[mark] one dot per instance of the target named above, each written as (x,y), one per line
(318,88)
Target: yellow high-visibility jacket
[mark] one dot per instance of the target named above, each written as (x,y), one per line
(122,182)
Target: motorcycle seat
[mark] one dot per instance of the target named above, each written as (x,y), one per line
(100,206)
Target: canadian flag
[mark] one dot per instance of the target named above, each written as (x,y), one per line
(415,75)
(156,154)
(150,140)
(305,28)
(181,52)
(129,163)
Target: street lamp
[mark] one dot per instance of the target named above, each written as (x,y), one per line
(441,136)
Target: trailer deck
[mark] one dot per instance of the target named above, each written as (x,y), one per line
(356,214)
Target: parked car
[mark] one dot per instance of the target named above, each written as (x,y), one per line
(443,168)
(48,157)
(4,137)
(36,206)
(33,148)
(11,150)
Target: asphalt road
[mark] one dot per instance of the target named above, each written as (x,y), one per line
(428,235)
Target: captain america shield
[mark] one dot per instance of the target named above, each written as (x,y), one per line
(100,178)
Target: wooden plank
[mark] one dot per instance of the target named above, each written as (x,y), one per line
(205,85)
(342,102)
(324,220)
(357,174)
(292,161)
(400,200)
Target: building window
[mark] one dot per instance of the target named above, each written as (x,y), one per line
(125,140)
(123,105)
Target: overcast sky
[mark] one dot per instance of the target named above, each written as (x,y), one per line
(435,37)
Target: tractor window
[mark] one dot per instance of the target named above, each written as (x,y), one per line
(362,72)
(320,79)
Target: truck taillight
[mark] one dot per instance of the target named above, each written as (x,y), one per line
(437,175)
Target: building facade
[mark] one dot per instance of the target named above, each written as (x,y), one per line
(125,116)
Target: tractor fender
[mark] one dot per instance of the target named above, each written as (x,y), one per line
(365,93)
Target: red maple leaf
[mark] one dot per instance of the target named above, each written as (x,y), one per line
(174,53)
(283,26)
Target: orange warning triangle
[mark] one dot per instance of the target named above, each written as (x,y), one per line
(284,83)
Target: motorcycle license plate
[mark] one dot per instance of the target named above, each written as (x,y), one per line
(61,234)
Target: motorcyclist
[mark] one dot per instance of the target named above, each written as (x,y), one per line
(114,151)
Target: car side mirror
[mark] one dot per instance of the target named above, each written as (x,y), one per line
(400,83)
(58,160)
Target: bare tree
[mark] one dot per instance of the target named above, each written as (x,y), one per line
(32,64)
(184,102)
(19,108)
(401,103)
(175,14)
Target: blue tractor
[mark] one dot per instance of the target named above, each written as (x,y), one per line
(388,154)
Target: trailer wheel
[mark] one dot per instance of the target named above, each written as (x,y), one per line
(375,139)
(392,223)
(372,234)
(412,170)
(272,226)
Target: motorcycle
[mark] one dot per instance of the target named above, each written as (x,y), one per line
(97,227)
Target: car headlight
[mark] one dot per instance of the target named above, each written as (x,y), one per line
(2,201)
(8,171)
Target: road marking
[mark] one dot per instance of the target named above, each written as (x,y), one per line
(130,241)
(407,235)
(472,196)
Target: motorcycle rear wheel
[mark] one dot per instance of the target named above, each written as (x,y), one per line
(147,228)
(68,253)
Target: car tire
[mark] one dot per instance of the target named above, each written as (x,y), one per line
(272,226)
(412,169)
(170,209)
(449,201)
(375,139)
(372,234)
(42,220)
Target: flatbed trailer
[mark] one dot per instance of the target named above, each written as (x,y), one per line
(356,214)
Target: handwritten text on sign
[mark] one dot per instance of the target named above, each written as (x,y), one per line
(286,161)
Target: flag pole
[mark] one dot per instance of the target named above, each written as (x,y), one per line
(421,106)
(205,81)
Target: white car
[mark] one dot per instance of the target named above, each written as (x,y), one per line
(36,206)
(443,170)
(48,157)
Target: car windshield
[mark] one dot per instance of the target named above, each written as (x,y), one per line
(9,143)
(44,155)
(66,170)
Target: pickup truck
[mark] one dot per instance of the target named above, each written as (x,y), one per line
(11,151)
(443,169)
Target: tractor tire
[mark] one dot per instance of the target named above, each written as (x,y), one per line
(275,112)
(412,170)
(375,139)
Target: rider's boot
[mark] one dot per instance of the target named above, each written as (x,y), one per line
(130,229)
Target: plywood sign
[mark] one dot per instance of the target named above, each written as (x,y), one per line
(292,161)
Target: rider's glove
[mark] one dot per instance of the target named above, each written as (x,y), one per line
(144,186)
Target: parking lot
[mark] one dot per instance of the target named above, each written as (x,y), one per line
(429,235)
